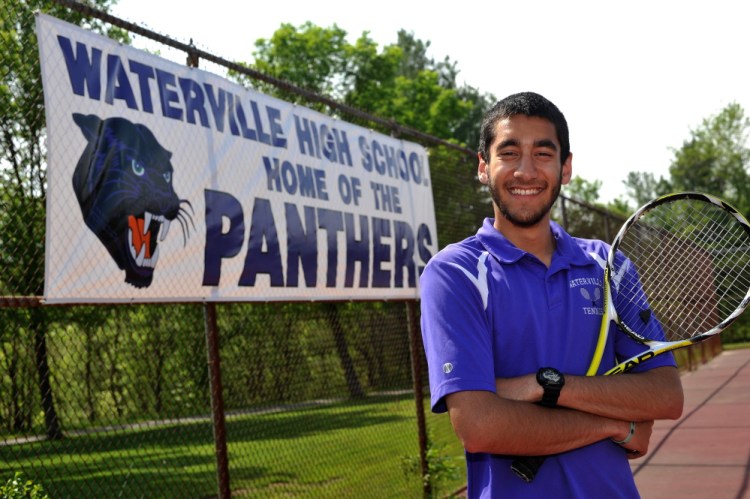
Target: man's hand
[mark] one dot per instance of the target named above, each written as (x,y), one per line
(637,446)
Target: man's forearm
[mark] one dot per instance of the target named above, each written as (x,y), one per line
(487,423)
(656,394)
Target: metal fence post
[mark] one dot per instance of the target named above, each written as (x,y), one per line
(416,373)
(217,401)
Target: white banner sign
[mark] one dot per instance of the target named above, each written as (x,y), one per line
(168,183)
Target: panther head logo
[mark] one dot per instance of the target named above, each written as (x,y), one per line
(123,182)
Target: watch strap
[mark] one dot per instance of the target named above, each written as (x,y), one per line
(551,394)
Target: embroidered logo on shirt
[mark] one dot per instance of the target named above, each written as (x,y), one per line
(594,297)
(447,368)
(590,289)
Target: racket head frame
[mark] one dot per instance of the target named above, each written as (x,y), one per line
(659,347)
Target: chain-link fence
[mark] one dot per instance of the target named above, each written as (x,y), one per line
(310,394)
(308,399)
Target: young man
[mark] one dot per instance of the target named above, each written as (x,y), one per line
(509,327)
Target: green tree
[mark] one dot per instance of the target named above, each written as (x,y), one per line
(642,187)
(715,159)
(399,82)
(583,190)
(620,206)
(311,57)
(23,176)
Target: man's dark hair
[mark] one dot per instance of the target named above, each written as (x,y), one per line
(527,104)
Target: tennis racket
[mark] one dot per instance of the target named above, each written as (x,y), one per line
(677,273)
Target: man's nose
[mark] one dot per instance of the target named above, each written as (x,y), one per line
(526,169)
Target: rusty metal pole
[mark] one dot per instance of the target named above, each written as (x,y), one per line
(214,369)
(217,401)
(415,350)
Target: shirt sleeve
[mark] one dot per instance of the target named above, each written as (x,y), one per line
(455,329)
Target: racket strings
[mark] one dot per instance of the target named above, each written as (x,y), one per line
(701,299)
(687,264)
(655,258)
(700,264)
(712,294)
(661,296)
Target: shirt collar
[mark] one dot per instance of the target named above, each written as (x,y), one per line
(567,251)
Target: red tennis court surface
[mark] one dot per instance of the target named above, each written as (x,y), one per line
(706,453)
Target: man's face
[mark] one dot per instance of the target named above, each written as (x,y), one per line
(523,170)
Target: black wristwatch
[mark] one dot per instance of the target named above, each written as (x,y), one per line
(552,381)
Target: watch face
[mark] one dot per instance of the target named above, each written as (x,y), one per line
(551,376)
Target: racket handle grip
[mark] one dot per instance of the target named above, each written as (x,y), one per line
(526,467)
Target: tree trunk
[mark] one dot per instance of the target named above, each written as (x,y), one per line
(342,348)
(39,329)
(89,378)
(15,391)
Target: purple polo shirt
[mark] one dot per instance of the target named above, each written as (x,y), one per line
(491,310)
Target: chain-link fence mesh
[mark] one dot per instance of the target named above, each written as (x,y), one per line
(318,400)
(309,399)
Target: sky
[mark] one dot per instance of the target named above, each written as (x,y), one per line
(632,78)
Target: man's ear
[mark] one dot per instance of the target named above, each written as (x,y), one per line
(482,170)
(567,170)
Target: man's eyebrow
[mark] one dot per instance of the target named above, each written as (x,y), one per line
(546,143)
(537,143)
(507,143)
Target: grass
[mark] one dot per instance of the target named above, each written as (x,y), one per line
(736,346)
(348,449)
(352,449)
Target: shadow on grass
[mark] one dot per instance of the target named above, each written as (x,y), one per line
(178,459)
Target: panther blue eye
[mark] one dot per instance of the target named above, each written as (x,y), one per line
(168,177)
(137,167)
